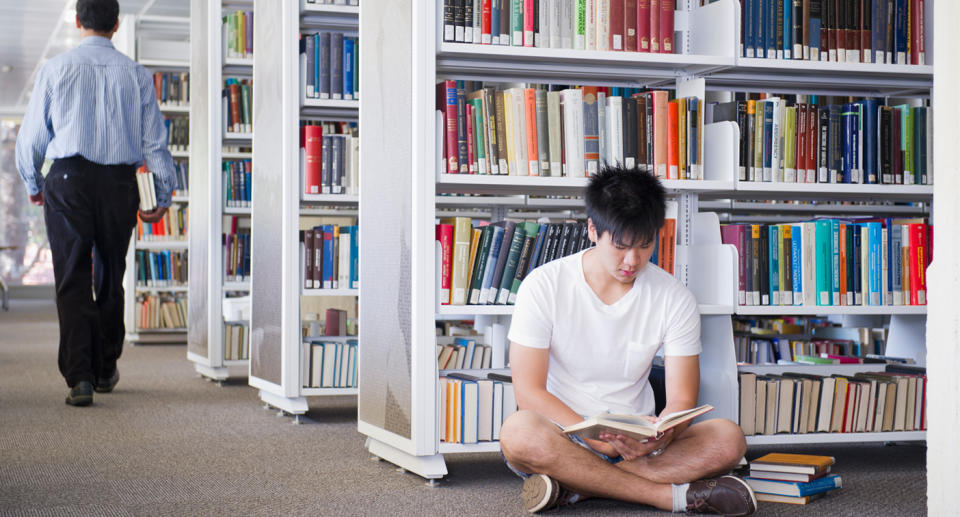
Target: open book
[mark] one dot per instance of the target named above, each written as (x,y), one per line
(634,426)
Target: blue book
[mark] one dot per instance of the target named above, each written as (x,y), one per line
(655,257)
(796,259)
(748,45)
(794,488)
(773,240)
(759,47)
(878,34)
(336,65)
(874,271)
(495,22)
(767,140)
(857,264)
(901,13)
(491,265)
(348,68)
(462,128)
(310,50)
(847,120)
(469,347)
(469,411)
(814,32)
(835,260)
(869,136)
(896,243)
(787,7)
(354,256)
(824,262)
(770,28)
(322,70)
(328,258)
(537,248)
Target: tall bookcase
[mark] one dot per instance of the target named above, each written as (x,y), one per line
(208,286)
(162,46)
(398,399)
(278,296)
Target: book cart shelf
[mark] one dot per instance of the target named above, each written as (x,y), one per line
(398,400)
(208,284)
(151,33)
(277,291)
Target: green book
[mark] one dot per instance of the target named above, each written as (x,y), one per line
(510,269)
(531,230)
(824,258)
(907,143)
(480,142)
(580,25)
(480,265)
(516,23)
(790,145)
(812,359)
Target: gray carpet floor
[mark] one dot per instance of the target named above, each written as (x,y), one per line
(167,442)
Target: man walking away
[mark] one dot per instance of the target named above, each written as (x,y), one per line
(94,112)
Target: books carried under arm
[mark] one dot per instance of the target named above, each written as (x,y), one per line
(634,426)
(146,189)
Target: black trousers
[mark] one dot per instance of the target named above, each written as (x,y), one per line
(90,211)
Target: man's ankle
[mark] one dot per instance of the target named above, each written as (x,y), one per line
(680,497)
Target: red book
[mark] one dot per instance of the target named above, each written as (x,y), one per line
(445,237)
(313,161)
(813,123)
(332,322)
(918,261)
(666,26)
(801,142)
(643,25)
(485,23)
(530,114)
(616,24)
(673,146)
(655,26)
(471,159)
(916,32)
(450,118)
(629,25)
(842,359)
(528,23)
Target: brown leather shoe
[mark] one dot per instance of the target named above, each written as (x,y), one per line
(727,495)
(541,492)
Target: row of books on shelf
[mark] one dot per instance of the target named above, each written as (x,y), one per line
(236,341)
(329,364)
(485,264)
(333,2)
(181,169)
(330,257)
(792,478)
(852,31)
(236,252)
(806,139)
(161,311)
(474,407)
(832,262)
(463,352)
(617,25)
(330,65)
(329,157)
(569,132)
(238,34)
(161,268)
(172,88)
(237,97)
(178,133)
(335,323)
(786,350)
(237,183)
(799,403)
(171,227)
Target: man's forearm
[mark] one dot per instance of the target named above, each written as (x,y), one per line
(548,405)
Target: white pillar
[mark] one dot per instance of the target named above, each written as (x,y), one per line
(943,277)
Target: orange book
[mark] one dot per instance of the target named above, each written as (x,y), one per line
(139,228)
(843,264)
(673,145)
(530,111)
(474,242)
(660,123)
(235,108)
(667,247)
(796,463)
(157,84)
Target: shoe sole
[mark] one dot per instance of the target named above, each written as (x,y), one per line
(537,492)
(104,389)
(753,496)
(81,400)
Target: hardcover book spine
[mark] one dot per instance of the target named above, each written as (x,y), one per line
(655,41)
(643,25)
(617,24)
(336,65)
(630,42)
(666,26)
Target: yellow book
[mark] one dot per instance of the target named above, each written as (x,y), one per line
(794,463)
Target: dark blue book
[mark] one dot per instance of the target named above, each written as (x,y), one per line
(310,49)
(920,143)
(326,165)
(348,44)
(323,64)
(849,120)
(537,249)
(834,144)
(786,29)
(814,30)
(336,170)
(878,32)
(868,123)
(767,140)
(748,24)
(900,31)
(692,136)
(336,65)
(494,22)
(794,488)
(771,28)
(462,128)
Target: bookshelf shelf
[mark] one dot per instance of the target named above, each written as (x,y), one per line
(509,63)
(180,199)
(553,185)
(831,191)
(330,199)
(476,310)
(154,289)
(826,77)
(327,392)
(230,136)
(464,448)
(171,108)
(241,63)
(236,156)
(751,207)
(330,292)
(816,369)
(164,63)
(236,286)
(237,210)
(162,331)
(810,438)
(162,245)
(814,310)
(346,105)
(311,8)
(180,154)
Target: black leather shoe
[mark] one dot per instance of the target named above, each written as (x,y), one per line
(105,385)
(81,394)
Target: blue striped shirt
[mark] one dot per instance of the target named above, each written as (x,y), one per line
(95,102)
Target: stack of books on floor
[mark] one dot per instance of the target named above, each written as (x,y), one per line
(792,478)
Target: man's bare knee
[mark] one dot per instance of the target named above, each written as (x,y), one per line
(525,438)
(730,437)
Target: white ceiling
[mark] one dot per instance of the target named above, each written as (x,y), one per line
(32,31)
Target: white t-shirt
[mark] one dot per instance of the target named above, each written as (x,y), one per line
(600,355)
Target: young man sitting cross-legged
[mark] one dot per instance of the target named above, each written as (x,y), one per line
(584,334)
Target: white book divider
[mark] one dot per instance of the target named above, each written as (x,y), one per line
(713,29)
(720,151)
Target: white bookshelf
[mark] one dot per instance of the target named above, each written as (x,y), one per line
(277,293)
(404,204)
(816,438)
(150,33)
(842,310)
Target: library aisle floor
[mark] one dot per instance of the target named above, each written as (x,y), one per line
(169,443)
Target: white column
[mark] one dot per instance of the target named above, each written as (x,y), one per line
(943,277)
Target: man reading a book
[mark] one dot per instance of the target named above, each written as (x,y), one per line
(94,112)
(585,331)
